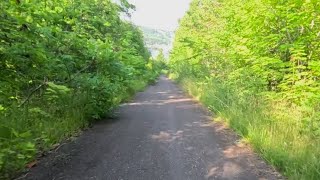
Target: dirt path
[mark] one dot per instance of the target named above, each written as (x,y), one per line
(162,134)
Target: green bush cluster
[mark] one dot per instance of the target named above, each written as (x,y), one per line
(63,63)
(256,64)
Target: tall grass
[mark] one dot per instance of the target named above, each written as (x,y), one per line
(274,128)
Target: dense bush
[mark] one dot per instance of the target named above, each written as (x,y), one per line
(63,63)
(256,64)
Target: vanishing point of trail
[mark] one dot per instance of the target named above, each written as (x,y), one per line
(161,134)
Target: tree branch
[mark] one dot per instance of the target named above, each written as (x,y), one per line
(32,92)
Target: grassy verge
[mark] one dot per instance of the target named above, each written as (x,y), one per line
(39,126)
(275,129)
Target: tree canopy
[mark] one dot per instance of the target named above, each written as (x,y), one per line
(63,63)
(262,59)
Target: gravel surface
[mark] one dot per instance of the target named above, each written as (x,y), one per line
(161,134)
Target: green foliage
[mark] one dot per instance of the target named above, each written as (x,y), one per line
(256,64)
(160,57)
(63,63)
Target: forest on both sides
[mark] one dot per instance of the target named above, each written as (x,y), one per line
(256,65)
(63,64)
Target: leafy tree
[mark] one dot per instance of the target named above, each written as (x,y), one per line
(258,52)
(63,63)
(160,56)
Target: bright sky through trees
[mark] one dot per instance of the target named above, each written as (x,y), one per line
(159,14)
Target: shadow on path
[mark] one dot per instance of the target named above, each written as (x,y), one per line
(161,134)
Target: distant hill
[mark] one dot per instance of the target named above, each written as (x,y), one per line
(157,39)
